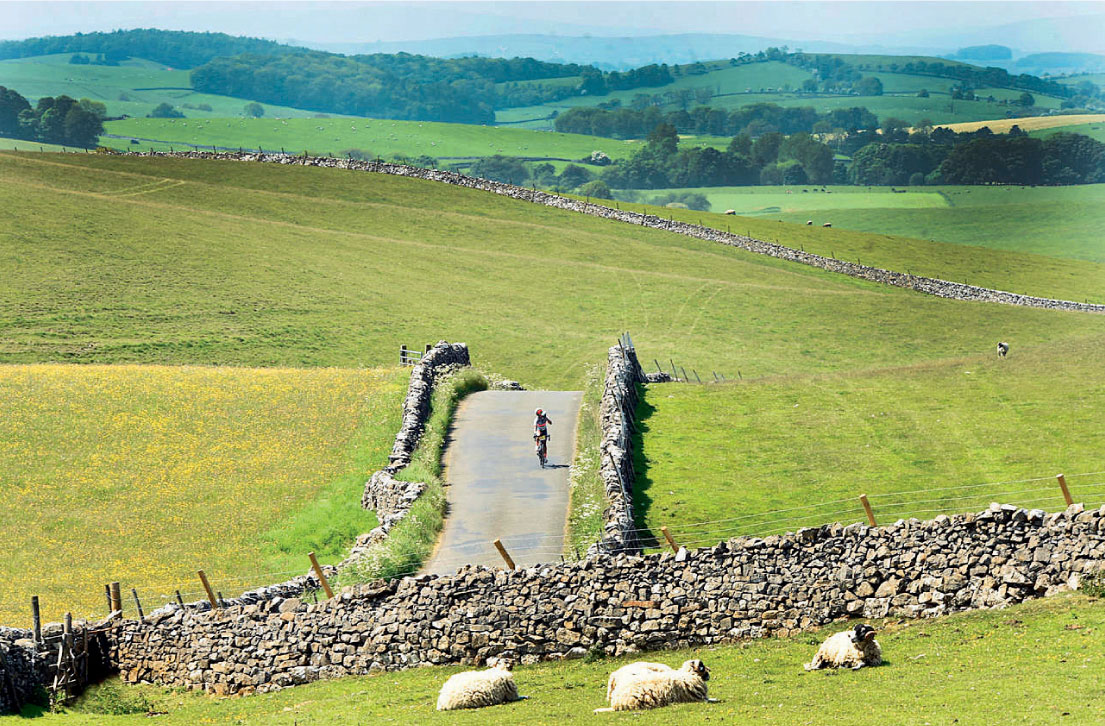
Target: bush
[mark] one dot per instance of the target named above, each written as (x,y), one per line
(596,189)
(1094,585)
(164,110)
(254,110)
(917,179)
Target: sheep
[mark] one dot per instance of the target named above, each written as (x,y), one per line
(652,685)
(809,222)
(853,648)
(730,211)
(827,224)
(476,689)
(1003,350)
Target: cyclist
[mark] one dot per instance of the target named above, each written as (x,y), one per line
(541,423)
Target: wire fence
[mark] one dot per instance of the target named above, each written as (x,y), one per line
(1046,493)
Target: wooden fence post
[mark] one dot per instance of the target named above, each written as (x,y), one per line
(402,355)
(685,378)
(137,603)
(179,600)
(506,556)
(36,618)
(107,594)
(321,577)
(696,375)
(1066,492)
(671,542)
(207,587)
(116,598)
(867,508)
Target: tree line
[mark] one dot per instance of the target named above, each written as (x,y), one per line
(61,120)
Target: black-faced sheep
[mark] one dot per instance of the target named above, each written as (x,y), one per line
(1003,350)
(853,649)
(652,685)
(809,222)
(476,689)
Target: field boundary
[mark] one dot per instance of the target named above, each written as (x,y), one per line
(926,285)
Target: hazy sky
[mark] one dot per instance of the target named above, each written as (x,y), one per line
(405,20)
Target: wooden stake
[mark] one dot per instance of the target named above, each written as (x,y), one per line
(671,542)
(1066,492)
(696,375)
(36,618)
(207,587)
(321,577)
(506,556)
(867,508)
(138,604)
(107,594)
(116,598)
(179,600)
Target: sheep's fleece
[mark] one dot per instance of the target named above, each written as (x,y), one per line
(652,685)
(853,649)
(476,689)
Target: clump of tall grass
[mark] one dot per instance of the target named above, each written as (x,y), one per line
(411,541)
(587,492)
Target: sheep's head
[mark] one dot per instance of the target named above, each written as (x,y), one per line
(501,662)
(698,668)
(863,633)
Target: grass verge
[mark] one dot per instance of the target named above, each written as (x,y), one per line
(1035,663)
(587,493)
(411,541)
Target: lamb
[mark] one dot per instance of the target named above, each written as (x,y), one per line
(809,222)
(476,689)
(1003,350)
(652,685)
(853,649)
(827,224)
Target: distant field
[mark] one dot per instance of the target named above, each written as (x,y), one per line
(961,669)
(1028,123)
(383,137)
(1097,78)
(1093,130)
(902,436)
(1059,222)
(133,87)
(24,145)
(146,474)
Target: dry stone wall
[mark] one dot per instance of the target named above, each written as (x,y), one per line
(743,588)
(926,285)
(22,671)
(617,412)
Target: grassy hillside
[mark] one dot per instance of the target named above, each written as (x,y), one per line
(1029,123)
(1039,661)
(383,137)
(133,87)
(177,261)
(1093,130)
(146,474)
(23,144)
(907,437)
(1062,223)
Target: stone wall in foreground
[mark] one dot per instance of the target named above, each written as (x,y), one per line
(743,588)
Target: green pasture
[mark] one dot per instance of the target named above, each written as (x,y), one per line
(933,438)
(1036,663)
(132,88)
(1062,223)
(129,259)
(1097,78)
(377,136)
(24,145)
(1094,131)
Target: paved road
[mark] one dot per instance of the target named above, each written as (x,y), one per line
(496,487)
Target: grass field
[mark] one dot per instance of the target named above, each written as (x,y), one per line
(1062,223)
(1035,663)
(145,474)
(1093,130)
(383,137)
(134,87)
(903,436)
(24,145)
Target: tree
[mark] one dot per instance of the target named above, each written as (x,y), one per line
(97,109)
(923,93)
(11,104)
(504,169)
(766,149)
(574,176)
(254,110)
(164,110)
(664,139)
(597,189)
(868,86)
(741,144)
(79,60)
(1026,99)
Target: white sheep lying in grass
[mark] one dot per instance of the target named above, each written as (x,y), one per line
(853,649)
(476,689)
(652,685)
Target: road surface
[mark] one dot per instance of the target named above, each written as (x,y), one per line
(496,489)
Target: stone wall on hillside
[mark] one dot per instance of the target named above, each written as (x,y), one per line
(744,588)
(22,672)
(927,285)
(617,413)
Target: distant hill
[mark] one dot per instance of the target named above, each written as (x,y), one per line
(983,53)
(1039,63)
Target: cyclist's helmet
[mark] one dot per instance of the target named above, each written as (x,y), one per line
(538,412)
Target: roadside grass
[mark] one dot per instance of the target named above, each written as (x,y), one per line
(734,454)
(324,137)
(412,540)
(117,259)
(587,491)
(1039,662)
(144,474)
(134,87)
(1041,241)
